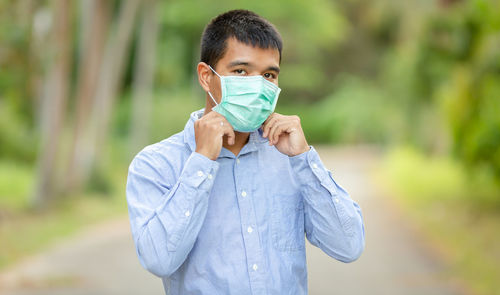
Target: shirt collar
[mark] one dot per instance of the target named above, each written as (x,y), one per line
(189,138)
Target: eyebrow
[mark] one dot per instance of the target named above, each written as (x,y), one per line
(244,63)
(238,63)
(273,68)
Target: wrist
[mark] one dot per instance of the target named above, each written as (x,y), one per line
(206,154)
(302,151)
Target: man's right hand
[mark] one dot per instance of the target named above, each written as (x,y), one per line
(209,131)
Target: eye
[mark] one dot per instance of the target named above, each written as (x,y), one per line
(269,76)
(240,71)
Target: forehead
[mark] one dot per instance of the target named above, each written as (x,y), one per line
(260,57)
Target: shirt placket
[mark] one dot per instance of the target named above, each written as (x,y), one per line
(253,250)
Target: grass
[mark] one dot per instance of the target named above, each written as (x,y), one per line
(454,210)
(24,232)
(16,182)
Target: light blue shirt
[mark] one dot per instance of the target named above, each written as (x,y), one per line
(236,225)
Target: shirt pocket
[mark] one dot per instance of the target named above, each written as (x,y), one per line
(288,223)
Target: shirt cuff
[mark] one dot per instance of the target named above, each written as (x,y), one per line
(310,170)
(197,169)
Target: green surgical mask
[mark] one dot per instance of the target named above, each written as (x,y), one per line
(247,101)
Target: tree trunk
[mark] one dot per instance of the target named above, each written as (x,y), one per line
(142,98)
(109,78)
(54,104)
(94,30)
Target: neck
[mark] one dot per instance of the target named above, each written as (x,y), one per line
(240,140)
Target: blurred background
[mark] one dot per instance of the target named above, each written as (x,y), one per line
(412,87)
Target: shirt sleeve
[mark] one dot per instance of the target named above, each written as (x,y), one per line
(166,213)
(333,221)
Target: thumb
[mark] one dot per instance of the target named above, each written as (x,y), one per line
(230,133)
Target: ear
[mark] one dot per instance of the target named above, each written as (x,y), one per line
(204,76)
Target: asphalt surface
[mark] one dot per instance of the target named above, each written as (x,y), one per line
(397,260)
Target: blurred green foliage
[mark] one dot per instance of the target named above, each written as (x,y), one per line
(459,65)
(339,118)
(386,72)
(17,138)
(424,73)
(425,179)
(457,214)
(16,183)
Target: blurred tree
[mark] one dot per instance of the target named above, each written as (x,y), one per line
(457,64)
(445,79)
(110,78)
(95,18)
(471,96)
(142,97)
(424,72)
(53,102)
(20,78)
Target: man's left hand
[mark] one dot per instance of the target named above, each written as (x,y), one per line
(285,133)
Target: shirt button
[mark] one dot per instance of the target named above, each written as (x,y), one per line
(209,176)
(315,166)
(237,161)
(200,173)
(187,213)
(243,193)
(337,200)
(250,229)
(255,267)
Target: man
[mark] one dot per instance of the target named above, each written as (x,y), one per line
(222,207)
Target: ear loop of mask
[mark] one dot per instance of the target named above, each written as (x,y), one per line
(209,93)
(211,96)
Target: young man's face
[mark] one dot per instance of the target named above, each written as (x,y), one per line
(245,60)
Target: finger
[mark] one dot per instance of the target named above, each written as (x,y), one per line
(291,129)
(280,129)
(214,115)
(269,118)
(268,124)
(213,126)
(272,132)
(214,123)
(215,119)
(228,130)
(207,122)
(222,126)
(209,119)
(273,115)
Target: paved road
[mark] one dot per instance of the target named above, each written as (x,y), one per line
(102,259)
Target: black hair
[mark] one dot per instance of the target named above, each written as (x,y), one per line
(243,25)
